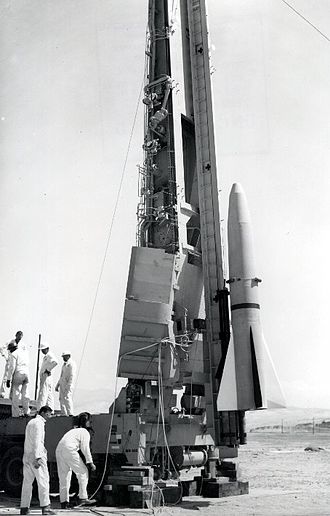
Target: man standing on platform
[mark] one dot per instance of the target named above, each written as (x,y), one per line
(18,379)
(5,353)
(46,395)
(65,384)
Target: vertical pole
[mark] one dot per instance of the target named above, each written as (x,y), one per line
(37,372)
(209,204)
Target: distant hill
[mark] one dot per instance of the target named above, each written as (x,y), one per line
(290,416)
(94,401)
(99,400)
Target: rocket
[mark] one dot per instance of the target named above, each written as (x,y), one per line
(248,380)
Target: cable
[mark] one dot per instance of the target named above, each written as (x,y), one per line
(154,485)
(158,343)
(305,19)
(111,226)
(114,511)
(161,402)
(109,435)
(161,414)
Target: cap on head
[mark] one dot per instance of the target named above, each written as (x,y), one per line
(45,345)
(65,353)
(18,336)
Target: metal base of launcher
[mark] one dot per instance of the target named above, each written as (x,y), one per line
(218,488)
(148,497)
(134,486)
(141,497)
(155,496)
(193,487)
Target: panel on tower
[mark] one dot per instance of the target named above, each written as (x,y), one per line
(148,312)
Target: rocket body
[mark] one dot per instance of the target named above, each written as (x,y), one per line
(245,308)
(243,381)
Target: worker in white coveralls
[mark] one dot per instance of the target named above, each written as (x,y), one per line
(18,380)
(49,362)
(69,459)
(65,384)
(5,351)
(35,463)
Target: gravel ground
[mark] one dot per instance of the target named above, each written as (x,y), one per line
(285,480)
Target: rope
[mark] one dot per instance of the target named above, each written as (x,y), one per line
(110,230)
(305,19)
(112,414)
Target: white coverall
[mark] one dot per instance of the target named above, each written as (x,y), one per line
(5,354)
(68,460)
(34,448)
(46,395)
(65,386)
(18,374)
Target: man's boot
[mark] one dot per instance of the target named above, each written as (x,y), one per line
(25,510)
(65,505)
(47,510)
(84,502)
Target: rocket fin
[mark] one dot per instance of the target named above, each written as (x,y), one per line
(255,374)
(275,396)
(265,389)
(227,395)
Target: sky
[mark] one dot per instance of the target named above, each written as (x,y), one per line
(70,79)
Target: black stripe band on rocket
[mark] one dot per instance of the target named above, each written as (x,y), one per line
(245,305)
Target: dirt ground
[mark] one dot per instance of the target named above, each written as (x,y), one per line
(284,480)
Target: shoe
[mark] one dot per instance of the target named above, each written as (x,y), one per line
(47,510)
(25,510)
(84,502)
(65,505)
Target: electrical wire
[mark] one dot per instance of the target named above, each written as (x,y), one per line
(161,402)
(158,343)
(157,435)
(111,226)
(306,20)
(154,485)
(161,412)
(119,513)
(109,436)
(98,286)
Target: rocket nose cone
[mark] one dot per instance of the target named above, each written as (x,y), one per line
(236,188)
(237,199)
(238,207)
(240,237)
